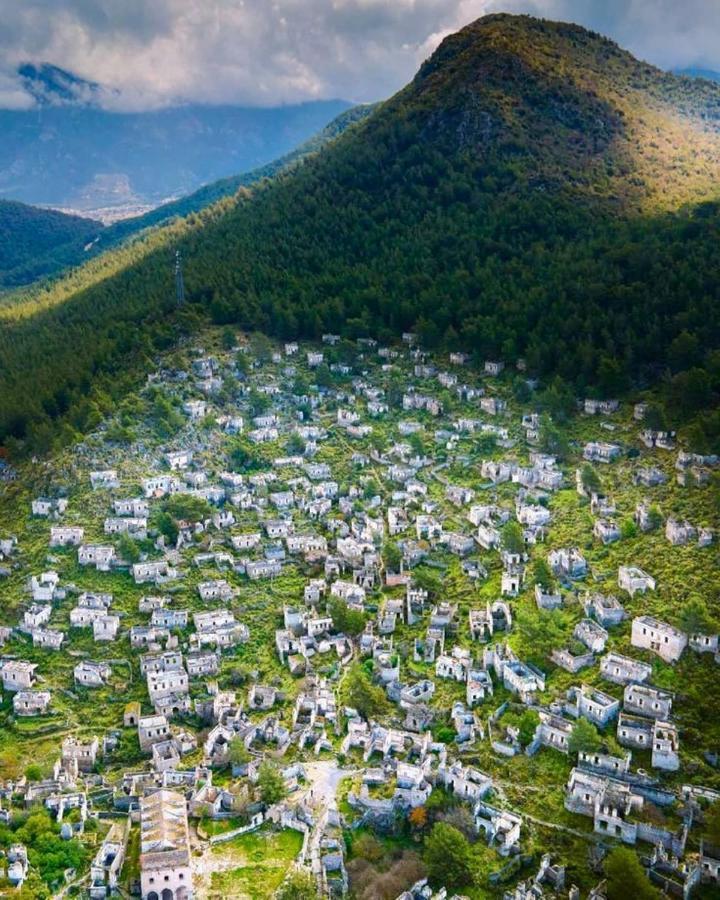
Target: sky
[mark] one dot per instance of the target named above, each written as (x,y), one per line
(154,53)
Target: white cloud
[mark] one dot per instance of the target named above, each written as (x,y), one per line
(265,52)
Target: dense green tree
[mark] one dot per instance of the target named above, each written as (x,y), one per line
(371,489)
(243,457)
(118,433)
(238,753)
(590,479)
(428,581)
(295,445)
(711,825)
(167,526)
(346,620)
(392,557)
(611,377)
(242,363)
(626,877)
(187,507)
(448,858)
(553,439)
(460,817)
(558,400)
(541,632)
(512,537)
(695,616)
(655,418)
(261,347)
(48,854)
(690,392)
(654,518)
(542,574)
(128,549)
(529,721)
(35,242)
(417,444)
(684,352)
(301,386)
(368,847)
(165,416)
(445,735)
(584,737)
(361,694)
(259,403)
(270,783)
(228,338)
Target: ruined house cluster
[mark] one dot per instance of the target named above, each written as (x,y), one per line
(380,453)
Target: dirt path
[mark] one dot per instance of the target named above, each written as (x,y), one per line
(322,780)
(586,835)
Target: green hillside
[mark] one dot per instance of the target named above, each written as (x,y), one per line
(535,191)
(35,242)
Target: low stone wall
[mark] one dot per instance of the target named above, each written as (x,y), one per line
(256,823)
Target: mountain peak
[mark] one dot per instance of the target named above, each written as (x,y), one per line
(50,85)
(566,107)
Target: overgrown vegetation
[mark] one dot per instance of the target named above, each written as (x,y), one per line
(48,853)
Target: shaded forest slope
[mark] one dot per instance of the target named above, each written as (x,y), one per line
(35,242)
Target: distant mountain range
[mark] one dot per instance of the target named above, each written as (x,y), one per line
(69,152)
(708,74)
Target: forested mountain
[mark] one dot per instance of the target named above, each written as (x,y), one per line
(69,151)
(535,191)
(35,242)
(225,187)
(31,251)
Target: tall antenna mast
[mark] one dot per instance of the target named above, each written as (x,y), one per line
(179,283)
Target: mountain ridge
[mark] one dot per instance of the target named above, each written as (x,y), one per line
(708,74)
(51,85)
(35,242)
